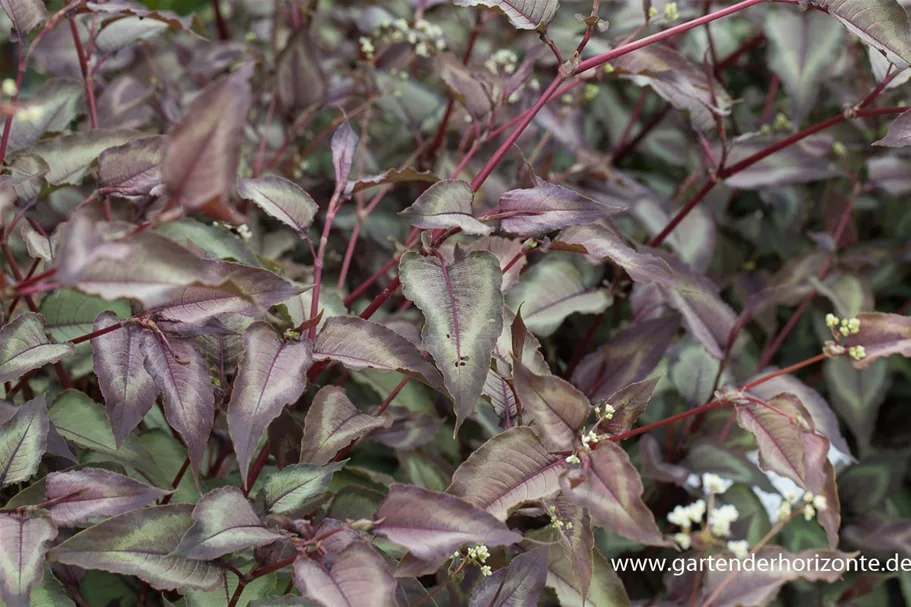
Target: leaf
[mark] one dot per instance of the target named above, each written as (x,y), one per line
(253,593)
(472,87)
(899,134)
(556,407)
(463,307)
(299,81)
(90,494)
(631,355)
(141,543)
(760,587)
(523,14)
(612,490)
(518,585)
(606,588)
(857,394)
(446,204)
(24,347)
(69,314)
(224,522)
(433,525)
(882,24)
(25,538)
(296,490)
(58,102)
(132,169)
(548,207)
(881,335)
(801,47)
(357,575)
(123,10)
(629,403)
(26,15)
(679,81)
(506,250)
(554,288)
(189,400)
(282,199)
(501,395)
(804,161)
(82,421)
(388,176)
(70,156)
(128,389)
(532,474)
(272,374)
(332,423)
(23,440)
(202,152)
(360,344)
(344,146)
(50,593)
(284,601)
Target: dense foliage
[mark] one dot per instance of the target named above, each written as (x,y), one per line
(417,302)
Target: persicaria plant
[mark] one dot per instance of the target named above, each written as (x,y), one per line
(418,302)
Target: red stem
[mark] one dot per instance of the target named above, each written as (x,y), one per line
(86,74)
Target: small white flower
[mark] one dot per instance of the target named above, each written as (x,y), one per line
(831,321)
(573,459)
(740,548)
(670,11)
(567,99)
(33,113)
(713,483)
(684,540)
(422,50)
(854,325)
(809,512)
(820,503)
(509,68)
(652,12)
(609,411)
(534,84)
(485,571)
(784,510)
(857,352)
(9,87)
(696,511)
(367,47)
(807,497)
(679,516)
(720,519)
(456,554)
(244,232)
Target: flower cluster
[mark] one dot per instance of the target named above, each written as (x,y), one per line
(720,519)
(555,521)
(740,548)
(846,326)
(502,61)
(712,483)
(425,37)
(685,516)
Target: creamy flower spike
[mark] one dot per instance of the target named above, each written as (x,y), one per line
(740,548)
(720,519)
(683,540)
(712,483)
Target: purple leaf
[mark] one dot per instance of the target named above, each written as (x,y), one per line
(432,525)
(282,199)
(899,134)
(473,87)
(23,440)
(804,161)
(518,585)
(120,10)
(57,103)
(548,207)
(505,250)
(357,575)
(25,539)
(90,494)
(361,344)
(24,347)
(189,400)
(628,403)
(653,465)
(299,81)
(128,389)
(627,358)
(605,242)
(272,374)
(612,490)
(501,395)
(463,307)
(296,490)
(203,149)
(70,156)
(389,176)
(332,423)
(523,14)
(555,406)
(446,204)
(26,15)
(38,245)
(532,474)
(881,335)
(132,169)
(344,146)
(141,543)
(882,24)
(606,589)
(224,522)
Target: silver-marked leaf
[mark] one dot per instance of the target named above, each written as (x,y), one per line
(882,24)
(344,146)
(128,389)
(56,104)
(272,374)
(189,399)
(23,440)
(203,149)
(433,525)
(50,592)
(282,199)
(612,490)
(899,134)
(518,585)
(296,490)
(555,287)
(557,408)
(24,347)
(389,176)
(357,575)
(26,15)
(70,156)
(463,307)
(132,169)
(629,403)
(857,394)
(802,45)
(606,588)
(501,395)
(224,522)
(523,14)
(121,10)
(299,81)
(359,344)
(486,483)
(631,355)
(548,207)
(506,250)
(89,494)
(881,335)
(39,246)
(332,423)
(760,587)
(141,543)
(25,539)
(209,240)
(472,86)
(576,539)
(446,204)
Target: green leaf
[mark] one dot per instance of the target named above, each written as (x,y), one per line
(296,490)
(70,314)
(856,394)
(24,347)
(606,588)
(23,440)
(216,242)
(282,199)
(25,539)
(141,543)
(255,593)
(332,423)
(70,156)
